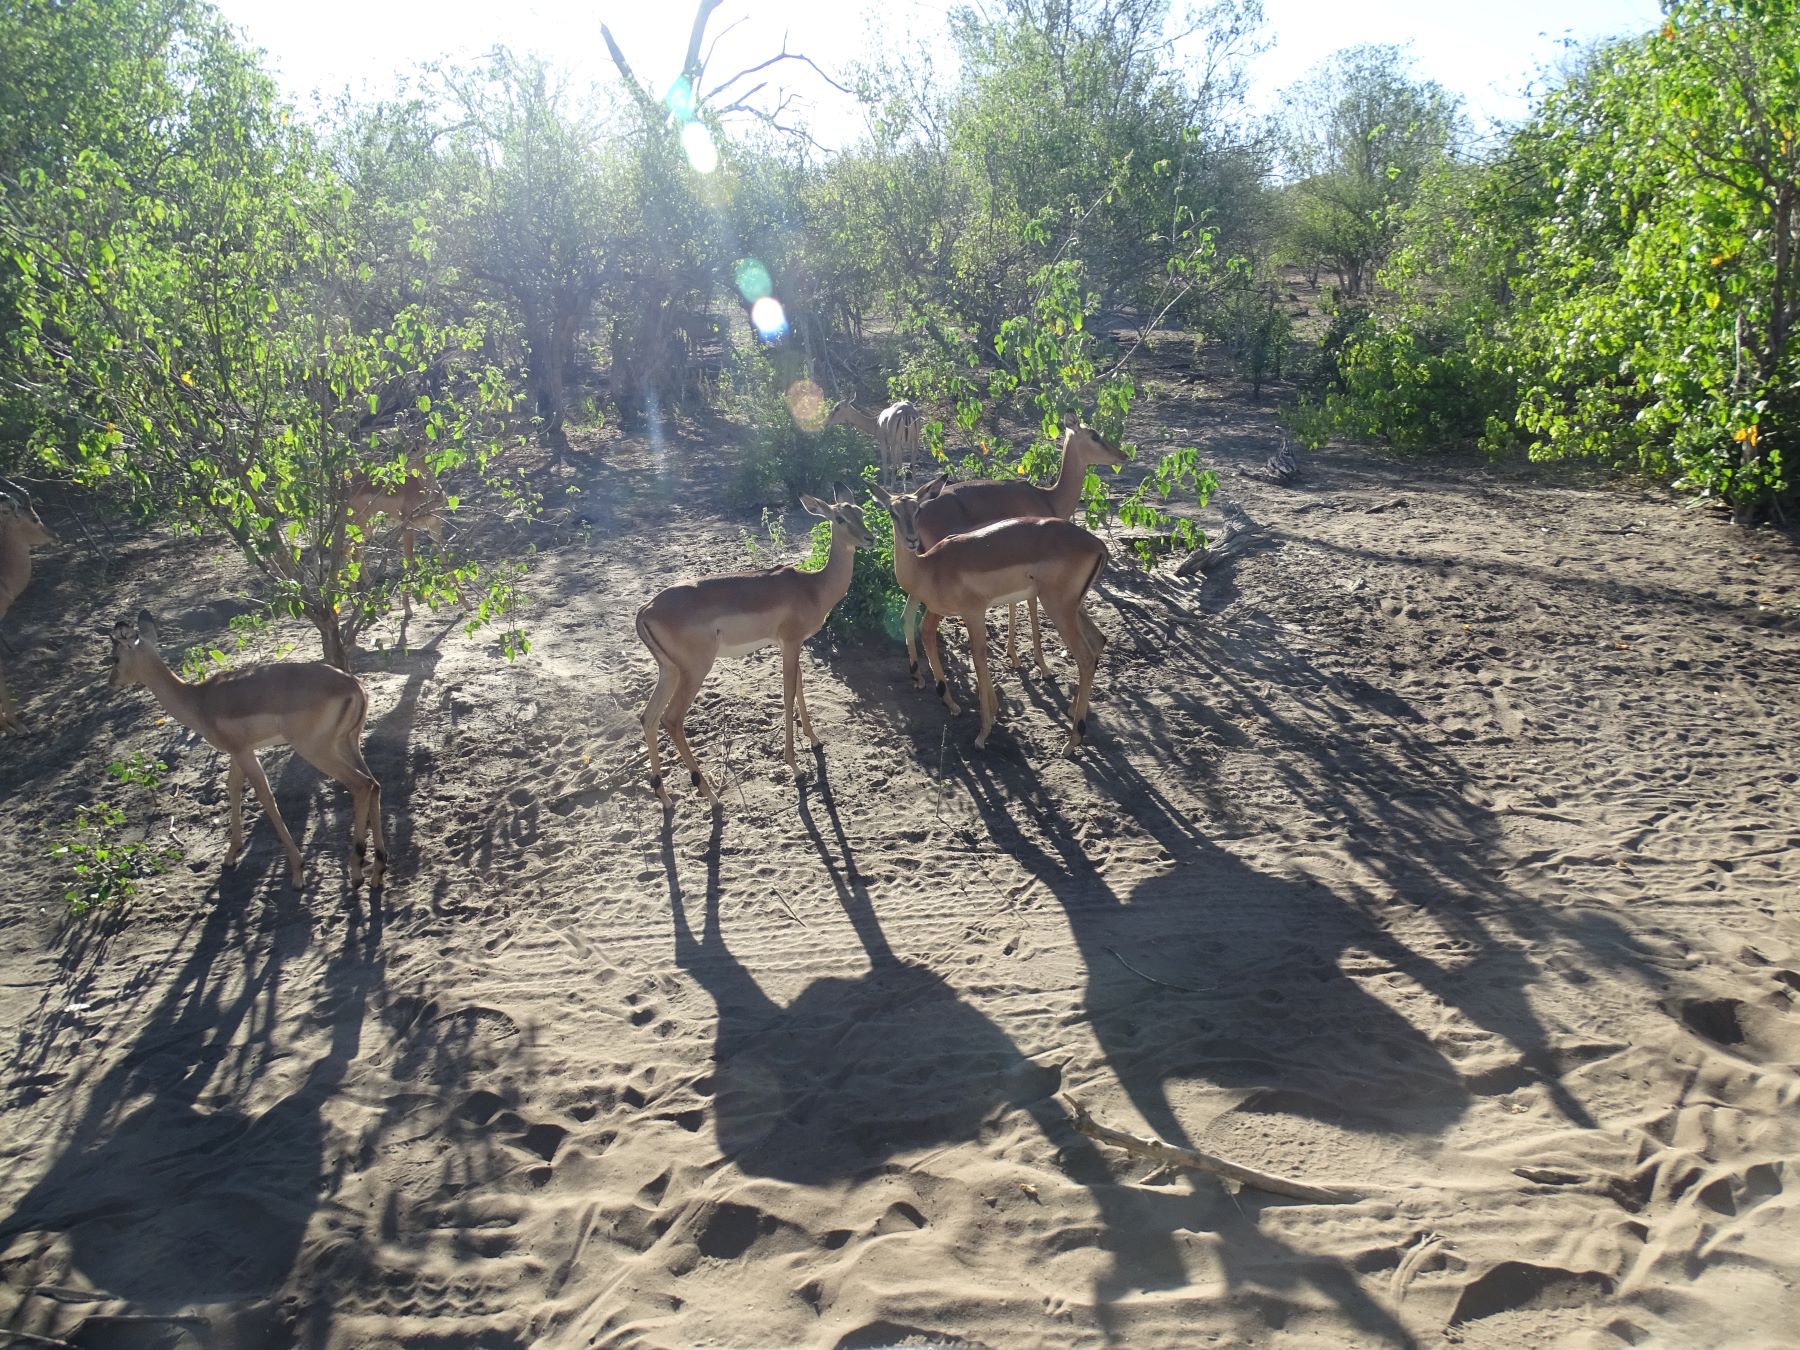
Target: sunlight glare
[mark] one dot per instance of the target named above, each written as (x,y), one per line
(680,100)
(697,144)
(806,404)
(769,319)
(753,281)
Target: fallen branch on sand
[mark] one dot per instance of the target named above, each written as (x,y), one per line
(1195,1160)
(1241,534)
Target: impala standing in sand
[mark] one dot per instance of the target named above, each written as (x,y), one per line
(896,430)
(316,708)
(961,507)
(966,575)
(688,627)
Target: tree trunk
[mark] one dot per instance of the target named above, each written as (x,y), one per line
(338,649)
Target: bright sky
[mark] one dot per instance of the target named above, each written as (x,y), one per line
(1488,53)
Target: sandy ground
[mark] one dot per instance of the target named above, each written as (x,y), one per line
(1444,848)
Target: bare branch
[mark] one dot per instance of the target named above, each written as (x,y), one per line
(631,81)
(691,66)
(713,46)
(1195,1160)
(783,55)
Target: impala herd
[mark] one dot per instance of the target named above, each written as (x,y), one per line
(961,550)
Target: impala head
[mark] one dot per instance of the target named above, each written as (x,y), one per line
(20,519)
(840,415)
(134,647)
(904,508)
(1090,447)
(842,511)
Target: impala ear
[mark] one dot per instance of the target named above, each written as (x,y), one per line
(934,487)
(881,494)
(814,506)
(844,493)
(146,626)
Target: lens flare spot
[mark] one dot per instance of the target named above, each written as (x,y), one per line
(753,280)
(806,403)
(680,100)
(769,319)
(697,145)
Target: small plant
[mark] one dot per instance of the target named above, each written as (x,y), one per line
(106,856)
(106,862)
(776,533)
(139,769)
(1177,468)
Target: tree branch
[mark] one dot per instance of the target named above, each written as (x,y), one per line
(1196,1161)
(631,81)
(691,66)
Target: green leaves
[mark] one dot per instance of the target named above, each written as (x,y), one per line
(209,311)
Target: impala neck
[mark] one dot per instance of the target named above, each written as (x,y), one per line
(178,698)
(834,577)
(856,417)
(1065,492)
(906,561)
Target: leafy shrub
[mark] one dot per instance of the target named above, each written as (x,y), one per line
(768,393)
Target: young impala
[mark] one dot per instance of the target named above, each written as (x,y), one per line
(19,530)
(316,708)
(962,507)
(688,627)
(417,506)
(966,575)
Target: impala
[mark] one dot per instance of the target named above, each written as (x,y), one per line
(19,530)
(962,507)
(895,428)
(966,575)
(418,504)
(688,627)
(316,708)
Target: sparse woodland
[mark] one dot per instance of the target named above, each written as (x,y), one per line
(1426,868)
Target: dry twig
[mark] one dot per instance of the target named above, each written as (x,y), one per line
(1195,1160)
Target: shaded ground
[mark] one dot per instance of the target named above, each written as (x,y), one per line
(1444,847)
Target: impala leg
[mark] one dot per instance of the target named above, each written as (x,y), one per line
(346,764)
(259,781)
(790,680)
(812,738)
(666,680)
(1012,627)
(984,680)
(406,560)
(234,796)
(1037,638)
(1091,630)
(928,638)
(907,616)
(685,693)
(1069,623)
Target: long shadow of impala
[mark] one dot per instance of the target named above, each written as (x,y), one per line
(859,1068)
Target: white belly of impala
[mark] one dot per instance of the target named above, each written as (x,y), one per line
(1012,598)
(745,648)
